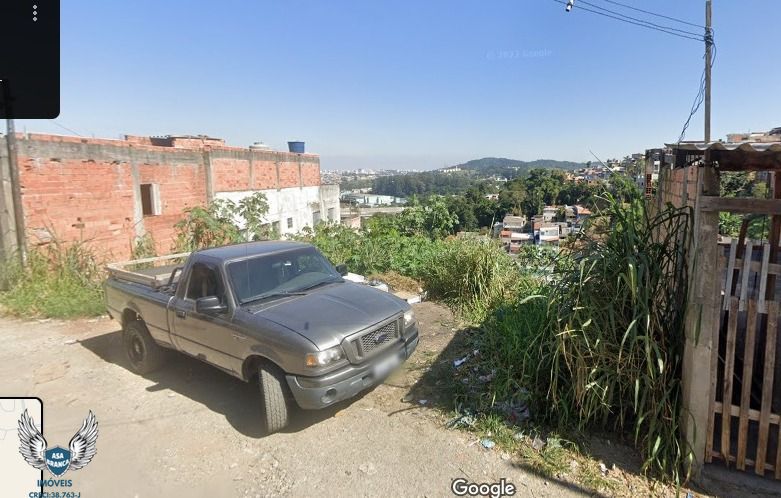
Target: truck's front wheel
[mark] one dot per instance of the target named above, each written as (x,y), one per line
(275,398)
(142,351)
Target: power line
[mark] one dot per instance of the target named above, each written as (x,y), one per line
(655,14)
(669,28)
(640,23)
(65,128)
(698,100)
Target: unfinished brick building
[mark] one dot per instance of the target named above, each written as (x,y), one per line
(110,192)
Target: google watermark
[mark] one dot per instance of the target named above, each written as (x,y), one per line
(518,54)
(462,487)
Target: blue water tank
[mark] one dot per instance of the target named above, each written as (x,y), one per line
(297,147)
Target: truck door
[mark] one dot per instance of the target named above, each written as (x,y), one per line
(208,337)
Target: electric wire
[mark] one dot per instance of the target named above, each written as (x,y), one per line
(699,99)
(66,128)
(670,28)
(655,14)
(641,24)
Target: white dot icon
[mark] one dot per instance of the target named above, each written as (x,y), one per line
(35,19)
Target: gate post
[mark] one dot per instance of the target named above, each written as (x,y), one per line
(702,320)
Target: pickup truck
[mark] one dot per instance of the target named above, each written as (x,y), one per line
(275,312)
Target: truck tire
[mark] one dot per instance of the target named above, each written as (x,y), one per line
(142,351)
(275,398)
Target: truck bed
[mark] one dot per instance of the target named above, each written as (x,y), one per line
(153,272)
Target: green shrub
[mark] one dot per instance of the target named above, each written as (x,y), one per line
(618,313)
(57,281)
(603,347)
(473,276)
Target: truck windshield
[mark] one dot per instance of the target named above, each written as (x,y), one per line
(280,274)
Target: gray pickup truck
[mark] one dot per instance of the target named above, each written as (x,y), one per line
(276,312)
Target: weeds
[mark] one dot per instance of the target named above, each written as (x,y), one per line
(58,281)
(600,343)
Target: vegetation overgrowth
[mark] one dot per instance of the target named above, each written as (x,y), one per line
(591,337)
(57,281)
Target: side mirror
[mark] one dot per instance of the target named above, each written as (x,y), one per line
(210,305)
(342,269)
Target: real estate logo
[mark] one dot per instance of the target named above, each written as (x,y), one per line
(58,460)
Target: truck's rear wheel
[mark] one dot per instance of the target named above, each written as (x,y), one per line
(275,398)
(142,351)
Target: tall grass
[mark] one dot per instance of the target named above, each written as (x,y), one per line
(473,276)
(599,343)
(619,321)
(57,281)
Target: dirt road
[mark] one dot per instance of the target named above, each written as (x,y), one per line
(190,430)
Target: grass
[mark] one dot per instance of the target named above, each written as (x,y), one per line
(597,344)
(547,453)
(57,281)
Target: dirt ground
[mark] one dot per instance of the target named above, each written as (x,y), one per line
(192,430)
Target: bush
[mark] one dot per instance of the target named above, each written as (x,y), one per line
(604,347)
(618,313)
(473,276)
(57,281)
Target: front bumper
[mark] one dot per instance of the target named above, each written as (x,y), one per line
(312,393)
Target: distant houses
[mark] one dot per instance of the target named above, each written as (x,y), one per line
(547,228)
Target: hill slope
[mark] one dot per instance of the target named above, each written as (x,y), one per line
(512,167)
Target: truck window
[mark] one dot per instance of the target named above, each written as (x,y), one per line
(290,271)
(205,281)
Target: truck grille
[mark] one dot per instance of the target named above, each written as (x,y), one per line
(375,340)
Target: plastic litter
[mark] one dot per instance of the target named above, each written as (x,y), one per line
(460,361)
(465,420)
(538,444)
(487,444)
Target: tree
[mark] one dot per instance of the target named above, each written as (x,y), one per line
(219,223)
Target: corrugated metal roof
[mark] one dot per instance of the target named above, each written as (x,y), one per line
(760,147)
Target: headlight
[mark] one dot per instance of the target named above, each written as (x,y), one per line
(323,358)
(409,318)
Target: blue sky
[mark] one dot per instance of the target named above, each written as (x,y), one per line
(411,84)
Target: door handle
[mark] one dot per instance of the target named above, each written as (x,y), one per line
(181,314)
(239,337)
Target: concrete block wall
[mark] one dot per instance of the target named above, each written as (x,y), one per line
(90,188)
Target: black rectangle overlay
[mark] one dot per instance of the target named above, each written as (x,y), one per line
(30,59)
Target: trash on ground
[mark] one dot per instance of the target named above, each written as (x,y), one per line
(516,412)
(457,363)
(465,420)
(422,401)
(487,444)
(603,469)
(537,443)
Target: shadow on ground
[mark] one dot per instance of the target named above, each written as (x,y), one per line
(432,368)
(238,401)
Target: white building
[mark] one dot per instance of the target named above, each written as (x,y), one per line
(292,209)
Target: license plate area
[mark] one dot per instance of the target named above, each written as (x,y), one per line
(386,365)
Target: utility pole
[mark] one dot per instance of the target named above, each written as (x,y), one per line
(708,60)
(13,177)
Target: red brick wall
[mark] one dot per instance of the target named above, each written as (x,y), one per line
(230,174)
(181,186)
(83,189)
(78,200)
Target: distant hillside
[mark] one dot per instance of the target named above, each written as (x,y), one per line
(472,173)
(510,168)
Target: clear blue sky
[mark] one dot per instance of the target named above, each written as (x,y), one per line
(411,84)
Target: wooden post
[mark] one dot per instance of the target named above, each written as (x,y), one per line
(702,320)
